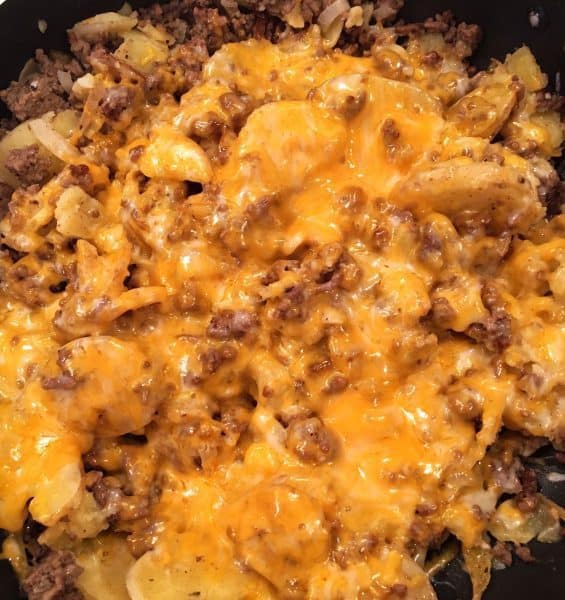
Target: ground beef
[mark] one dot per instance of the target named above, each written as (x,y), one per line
(432,59)
(527,500)
(230,324)
(6,125)
(311,440)
(54,578)
(28,165)
(291,305)
(34,97)
(218,22)
(398,590)
(336,384)
(83,49)
(441,23)
(61,382)
(501,552)
(442,313)
(464,37)
(214,358)
(6,192)
(524,553)
(41,92)
(115,101)
(495,332)
(79,175)
(547,102)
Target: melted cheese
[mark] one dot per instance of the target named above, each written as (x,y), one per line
(255,521)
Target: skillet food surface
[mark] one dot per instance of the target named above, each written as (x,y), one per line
(282,307)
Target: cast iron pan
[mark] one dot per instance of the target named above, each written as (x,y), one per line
(506,25)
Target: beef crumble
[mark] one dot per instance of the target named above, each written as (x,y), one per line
(42,91)
(28,165)
(54,578)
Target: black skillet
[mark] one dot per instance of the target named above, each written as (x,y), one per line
(507,25)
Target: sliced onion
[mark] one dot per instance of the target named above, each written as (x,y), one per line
(354,18)
(478,565)
(126,10)
(83,86)
(331,13)
(30,68)
(368,10)
(109,23)
(294,18)
(65,80)
(53,141)
(331,35)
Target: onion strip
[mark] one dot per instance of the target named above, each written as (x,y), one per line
(53,141)
(331,13)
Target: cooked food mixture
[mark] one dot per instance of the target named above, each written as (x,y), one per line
(282,305)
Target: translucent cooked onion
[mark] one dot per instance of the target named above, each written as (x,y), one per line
(331,36)
(83,86)
(126,10)
(109,23)
(53,141)
(65,80)
(29,69)
(477,564)
(354,18)
(331,13)
(294,18)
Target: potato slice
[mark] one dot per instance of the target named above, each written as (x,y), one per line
(308,137)
(484,111)
(172,155)
(78,215)
(153,577)
(502,198)
(104,562)
(279,532)
(104,399)
(141,51)
(523,64)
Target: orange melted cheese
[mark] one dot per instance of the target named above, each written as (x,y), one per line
(254,520)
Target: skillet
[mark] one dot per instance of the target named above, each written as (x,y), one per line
(506,26)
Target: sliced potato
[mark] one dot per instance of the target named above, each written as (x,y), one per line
(171,155)
(104,562)
(20,137)
(502,198)
(107,400)
(78,215)
(523,64)
(141,51)
(152,578)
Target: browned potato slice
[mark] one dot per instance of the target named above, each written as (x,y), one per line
(484,111)
(501,198)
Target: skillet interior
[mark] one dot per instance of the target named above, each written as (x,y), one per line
(506,26)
